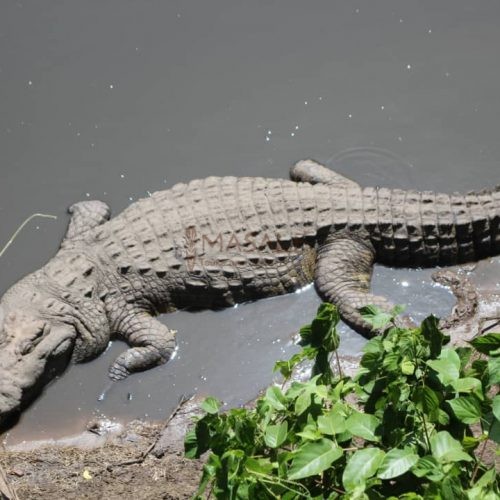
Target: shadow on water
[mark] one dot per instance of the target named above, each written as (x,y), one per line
(110,100)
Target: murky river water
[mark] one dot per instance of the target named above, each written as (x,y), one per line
(113,99)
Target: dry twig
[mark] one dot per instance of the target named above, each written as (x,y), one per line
(183,399)
(20,228)
(7,492)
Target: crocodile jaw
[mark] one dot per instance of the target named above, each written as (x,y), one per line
(22,376)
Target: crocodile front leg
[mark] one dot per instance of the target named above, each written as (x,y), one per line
(152,343)
(85,215)
(343,276)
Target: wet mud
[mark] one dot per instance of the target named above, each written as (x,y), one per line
(115,100)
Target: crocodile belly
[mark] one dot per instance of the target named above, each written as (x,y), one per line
(224,279)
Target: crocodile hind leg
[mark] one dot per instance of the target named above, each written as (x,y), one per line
(315,173)
(343,275)
(152,343)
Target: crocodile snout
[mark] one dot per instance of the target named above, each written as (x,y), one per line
(32,354)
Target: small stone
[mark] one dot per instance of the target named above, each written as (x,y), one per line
(16,472)
(132,437)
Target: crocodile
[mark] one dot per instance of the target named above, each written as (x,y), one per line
(216,242)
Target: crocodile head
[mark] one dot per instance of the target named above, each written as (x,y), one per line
(35,344)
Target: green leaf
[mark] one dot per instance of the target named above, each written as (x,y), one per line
(361,465)
(407,496)
(431,332)
(447,366)
(304,401)
(313,458)
(452,488)
(363,425)
(494,431)
(232,460)
(466,384)
(374,345)
(275,398)
(275,435)
(442,417)
(321,391)
(491,426)
(487,478)
(331,339)
(470,443)
(390,362)
(375,316)
(478,493)
(447,449)
(286,367)
(466,408)
(495,406)
(258,465)
(343,437)
(479,368)
(398,309)
(327,311)
(321,333)
(331,423)
(305,335)
(428,467)
(464,353)
(396,462)
(407,367)
(487,343)
(370,360)
(244,426)
(426,399)
(388,345)
(197,441)
(211,405)
(191,444)
(210,468)
(309,433)
(494,371)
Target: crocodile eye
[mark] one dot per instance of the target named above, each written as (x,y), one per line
(29,344)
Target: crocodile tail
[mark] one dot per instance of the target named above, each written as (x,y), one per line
(475,219)
(494,219)
(427,228)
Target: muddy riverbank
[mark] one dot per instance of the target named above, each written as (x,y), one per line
(113,470)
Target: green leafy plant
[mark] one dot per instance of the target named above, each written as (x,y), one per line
(401,428)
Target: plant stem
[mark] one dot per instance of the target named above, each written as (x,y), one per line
(285,380)
(268,490)
(480,457)
(20,228)
(338,364)
(425,430)
(338,490)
